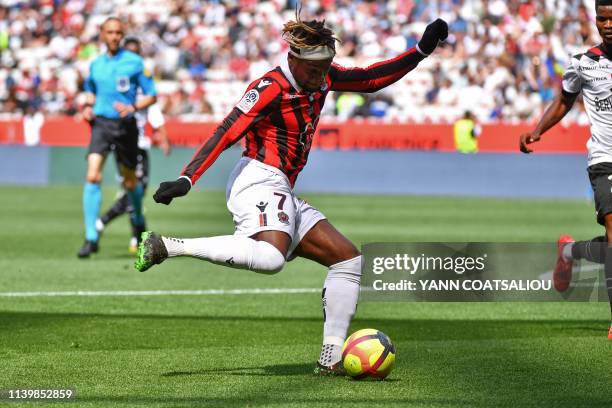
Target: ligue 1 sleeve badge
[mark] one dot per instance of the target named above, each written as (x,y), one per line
(248,101)
(283,217)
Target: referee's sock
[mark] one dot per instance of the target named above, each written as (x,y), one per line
(136,197)
(92,199)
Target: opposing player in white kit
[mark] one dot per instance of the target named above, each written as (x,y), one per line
(278,115)
(591,74)
(154,116)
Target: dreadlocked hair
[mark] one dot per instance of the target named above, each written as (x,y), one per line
(602,3)
(308,34)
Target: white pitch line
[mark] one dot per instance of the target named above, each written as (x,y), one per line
(208,292)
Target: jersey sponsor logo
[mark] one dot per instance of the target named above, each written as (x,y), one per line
(603,105)
(123,84)
(263,220)
(283,217)
(595,79)
(263,83)
(262,206)
(291,96)
(306,136)
(248,101)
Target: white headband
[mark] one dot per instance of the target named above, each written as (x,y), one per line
(321,52)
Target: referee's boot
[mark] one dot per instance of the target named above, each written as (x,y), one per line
(151,251)
(88,248)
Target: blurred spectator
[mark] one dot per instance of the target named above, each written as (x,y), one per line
(500,54)
(466,131)
(33,121)
(349,105)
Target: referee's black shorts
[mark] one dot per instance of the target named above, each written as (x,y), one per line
(600,176)
(118,135)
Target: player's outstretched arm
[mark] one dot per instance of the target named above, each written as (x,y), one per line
(168,190)
(434,34)
(384,73)
(553,114)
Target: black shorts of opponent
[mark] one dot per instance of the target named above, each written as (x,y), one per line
(600,175)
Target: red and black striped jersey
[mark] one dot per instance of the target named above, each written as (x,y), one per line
(279,119)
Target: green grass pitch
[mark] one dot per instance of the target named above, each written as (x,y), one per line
(259,350)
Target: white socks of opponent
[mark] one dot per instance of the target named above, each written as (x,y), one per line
(340,295)
(229,250)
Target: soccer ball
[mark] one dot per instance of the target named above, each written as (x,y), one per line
(368,353)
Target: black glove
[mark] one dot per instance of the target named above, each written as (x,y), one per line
(170,189)
(435,32)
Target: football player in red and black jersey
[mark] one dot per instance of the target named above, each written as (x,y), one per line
(278,116)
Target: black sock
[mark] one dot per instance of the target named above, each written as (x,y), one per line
(119,207)
(137,230)
(608,274)
(593,250)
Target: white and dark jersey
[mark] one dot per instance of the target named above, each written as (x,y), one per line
(591,74)
(155,117)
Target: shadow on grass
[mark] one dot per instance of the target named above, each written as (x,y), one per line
(269,370)
(476,373)
(125,331)
(281,370)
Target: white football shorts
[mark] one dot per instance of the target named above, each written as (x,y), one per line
(260,198)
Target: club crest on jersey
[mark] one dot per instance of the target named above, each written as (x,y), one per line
(283,217)
(248,101)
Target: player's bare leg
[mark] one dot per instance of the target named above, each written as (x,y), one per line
(92,199)
(608,265)
(597,250)
(326,245)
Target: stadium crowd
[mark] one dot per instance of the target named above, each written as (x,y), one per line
(503,60)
